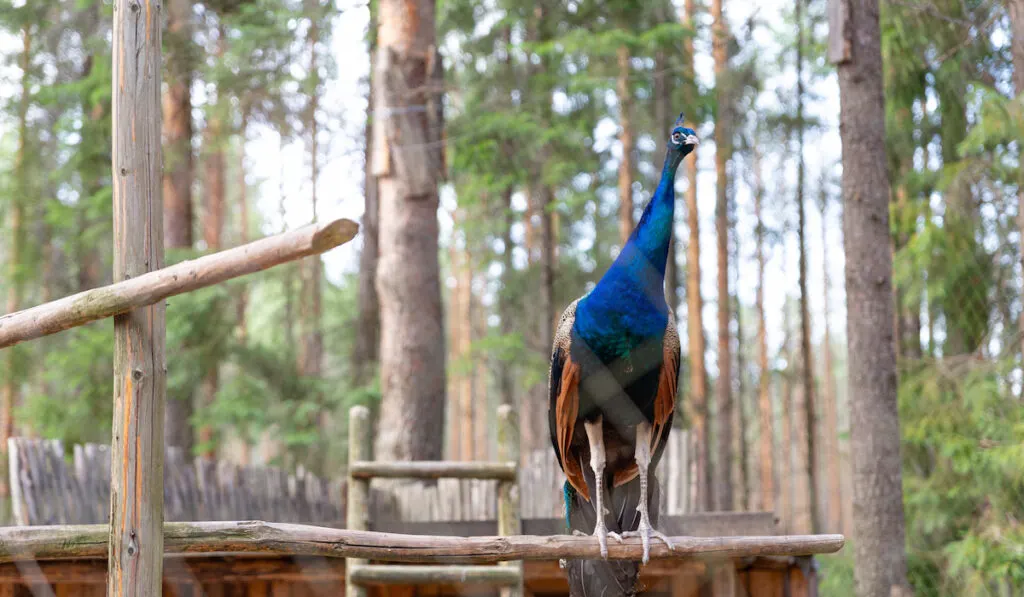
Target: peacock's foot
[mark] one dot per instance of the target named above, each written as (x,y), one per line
(646,533)
(601,532)
(579,533)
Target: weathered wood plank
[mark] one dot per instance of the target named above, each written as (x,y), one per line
(419,469)
(402,575)
(49,542)
(358,506)
(155,286)
(135,538)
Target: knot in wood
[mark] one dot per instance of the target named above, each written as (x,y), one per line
(134,6)
(133,546)
(137,374)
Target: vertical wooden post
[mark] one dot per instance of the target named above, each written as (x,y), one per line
(509,518)
(136,545)
(358,504)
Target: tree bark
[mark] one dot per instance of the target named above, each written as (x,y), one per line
(626,167)
(409,165)
(311,349)
(135,542)
(880,561)
(828,391)
(9,390)
(1016,10)
(662,109)
(741,480)
(243,222)
(723,415)
(507,380)
(213,228)
(805,429)
(365,350)
(177,177)
(695,303)
(463,339)
(766,436)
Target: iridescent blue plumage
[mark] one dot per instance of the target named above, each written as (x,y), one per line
(612,386)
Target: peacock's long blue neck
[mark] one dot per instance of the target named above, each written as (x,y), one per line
(628,303)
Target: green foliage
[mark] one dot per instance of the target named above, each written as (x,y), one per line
(962,449)
(74,401)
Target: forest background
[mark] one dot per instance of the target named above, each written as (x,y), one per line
(549,137)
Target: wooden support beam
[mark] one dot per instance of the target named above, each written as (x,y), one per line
(67,541)
(436,469)
(510,520)
(412,575)
(135,539)
(358,507)
(155,286)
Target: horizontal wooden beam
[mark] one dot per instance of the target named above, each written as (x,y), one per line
(413,575)
(436,469)
(147,289)
(52,542)
(697,524)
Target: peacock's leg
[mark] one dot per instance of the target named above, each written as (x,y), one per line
(643,461)
(595,435)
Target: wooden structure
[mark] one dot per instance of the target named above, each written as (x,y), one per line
(136,553)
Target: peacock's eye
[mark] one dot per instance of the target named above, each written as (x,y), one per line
(676,137)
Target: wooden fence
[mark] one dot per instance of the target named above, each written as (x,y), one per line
(49,486)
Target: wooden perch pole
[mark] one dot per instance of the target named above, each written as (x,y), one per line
(433,469)
(135,539)
(89,541)
(150,288)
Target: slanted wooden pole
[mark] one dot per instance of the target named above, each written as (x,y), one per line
(357,517)
(149,288)
(510,520)
(135,541)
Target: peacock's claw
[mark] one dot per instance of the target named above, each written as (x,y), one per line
(579,533)
(601,532)
(615,536)
(646,533)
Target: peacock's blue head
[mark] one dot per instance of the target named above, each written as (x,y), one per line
(682,140)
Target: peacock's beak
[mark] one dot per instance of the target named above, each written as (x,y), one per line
(691,140)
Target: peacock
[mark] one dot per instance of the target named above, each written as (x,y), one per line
(612,388)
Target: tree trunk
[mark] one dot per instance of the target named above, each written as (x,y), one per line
(365,350)
(213,227)
(454,382)
(695,303)
(875,430)
(505,305)
(836,495)
(464,315)
(408,164)
(177,177)
(243,222)
(626,167)
(662,103)
(9,391)
(740,480)
(1016,10)
(786,448)
(766,436)
(311,348)
(805,429)
(723,415)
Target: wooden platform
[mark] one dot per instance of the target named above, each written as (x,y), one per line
(236,575)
